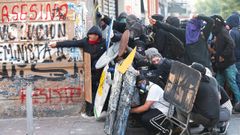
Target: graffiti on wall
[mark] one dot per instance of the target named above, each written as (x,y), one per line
(26,30)
(53,96)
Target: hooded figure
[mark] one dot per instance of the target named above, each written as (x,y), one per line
(152,52)
(218,24)
(193,30)
(207,103)
(225,60)
(233,21)
(130,20)
(95,45)
(122,17)
(158,17)
(174,21)
(196,40)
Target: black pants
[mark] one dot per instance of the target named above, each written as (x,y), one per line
(151,121)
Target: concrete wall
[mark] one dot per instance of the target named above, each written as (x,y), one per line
(58,75)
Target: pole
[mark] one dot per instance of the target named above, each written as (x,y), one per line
(29,110)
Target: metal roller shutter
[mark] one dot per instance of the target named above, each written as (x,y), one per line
(108,7)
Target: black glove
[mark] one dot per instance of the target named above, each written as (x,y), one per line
(98,14)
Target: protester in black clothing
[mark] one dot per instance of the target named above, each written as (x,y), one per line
(199,46)
(120,26)
(95,45)
(167,44)
(224,57)
(206,106)
(197,35)
(173,20)
(178,32)
(233,22)
(161,66)
(122,18)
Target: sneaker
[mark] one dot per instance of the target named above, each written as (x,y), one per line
(193,125)
(85,116)
(223,127)
(205,131)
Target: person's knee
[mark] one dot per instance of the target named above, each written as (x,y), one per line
(145,120)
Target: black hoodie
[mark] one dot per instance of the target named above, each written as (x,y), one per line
(95,50)
(224,45)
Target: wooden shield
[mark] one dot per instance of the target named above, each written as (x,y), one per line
(182,86)
(124,43)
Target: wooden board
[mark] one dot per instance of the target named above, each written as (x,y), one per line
(182,86)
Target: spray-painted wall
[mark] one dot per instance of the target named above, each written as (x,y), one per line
(27,28)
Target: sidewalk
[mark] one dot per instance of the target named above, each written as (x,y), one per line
(77,126)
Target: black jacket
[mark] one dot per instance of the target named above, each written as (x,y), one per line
(119,26)
(168,45)
(95,50)
(207,102)
(224,46)
(198,51)
(162,70)
(178,32)
(235,34)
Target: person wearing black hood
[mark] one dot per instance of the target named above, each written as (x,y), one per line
(167,44)
(95,45)
(195,34)
(233,22)
(224,57)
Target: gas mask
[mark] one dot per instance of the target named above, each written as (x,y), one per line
(143,87)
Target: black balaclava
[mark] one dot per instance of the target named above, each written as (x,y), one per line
(199,67)
(158,17)
(219,24)
(174,21)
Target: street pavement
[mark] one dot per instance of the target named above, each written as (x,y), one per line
(77,125)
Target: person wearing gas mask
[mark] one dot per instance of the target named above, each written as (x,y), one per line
(154,107)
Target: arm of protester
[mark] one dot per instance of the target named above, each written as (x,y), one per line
(178,32)
(116,37)
(151,73)
(138,56)
(68,43)
(142,108)
(116,25)
(208,28)
(229,49)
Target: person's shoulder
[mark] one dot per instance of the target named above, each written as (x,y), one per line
(155,87)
